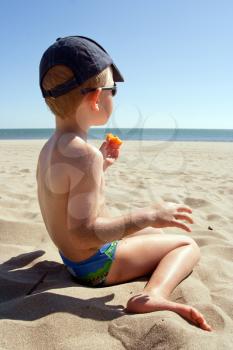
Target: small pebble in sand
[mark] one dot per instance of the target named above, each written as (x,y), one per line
(210,228)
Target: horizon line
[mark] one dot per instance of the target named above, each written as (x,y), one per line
(124,128)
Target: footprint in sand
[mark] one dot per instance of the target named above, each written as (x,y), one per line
(212,217)
(195,202)
(25,171)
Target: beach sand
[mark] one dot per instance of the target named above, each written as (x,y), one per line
(42,308)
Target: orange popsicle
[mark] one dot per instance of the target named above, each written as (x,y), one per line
(113,141)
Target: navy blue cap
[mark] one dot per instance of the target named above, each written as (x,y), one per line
(84,56)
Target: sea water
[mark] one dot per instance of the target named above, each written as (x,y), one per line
(221,135)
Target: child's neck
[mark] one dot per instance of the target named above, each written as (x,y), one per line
(71,126)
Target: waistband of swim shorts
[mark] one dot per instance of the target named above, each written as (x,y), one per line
(107,248)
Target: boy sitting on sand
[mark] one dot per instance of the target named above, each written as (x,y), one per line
(78,81)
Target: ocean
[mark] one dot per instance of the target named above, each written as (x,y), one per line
(219,135)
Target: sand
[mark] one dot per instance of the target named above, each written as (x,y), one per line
(42,308)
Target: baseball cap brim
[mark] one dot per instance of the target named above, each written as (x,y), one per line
(117,77)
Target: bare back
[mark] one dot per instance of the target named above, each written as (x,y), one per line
(63,177)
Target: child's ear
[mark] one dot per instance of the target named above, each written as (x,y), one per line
(94,99)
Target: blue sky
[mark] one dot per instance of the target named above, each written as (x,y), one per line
(176,57)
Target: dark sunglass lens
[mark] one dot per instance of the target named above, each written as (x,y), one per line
(114,91)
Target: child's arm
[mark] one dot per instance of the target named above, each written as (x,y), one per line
(82,208)
(83,221)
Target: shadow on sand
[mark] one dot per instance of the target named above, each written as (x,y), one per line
(25,292)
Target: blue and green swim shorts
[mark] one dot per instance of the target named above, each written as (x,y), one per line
(93,271)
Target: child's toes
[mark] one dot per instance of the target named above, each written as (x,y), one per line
(199,319)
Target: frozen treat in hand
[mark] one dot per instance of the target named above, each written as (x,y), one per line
(113,141)
(110,150)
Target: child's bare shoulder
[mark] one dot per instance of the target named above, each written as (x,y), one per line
(68,160)
(74,147)
(81,158)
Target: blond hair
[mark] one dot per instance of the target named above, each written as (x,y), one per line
(65,106)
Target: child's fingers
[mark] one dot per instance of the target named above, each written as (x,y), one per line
(184,217)
(114,153)
(104,144)
(181,225)
(184,208)
(103,148)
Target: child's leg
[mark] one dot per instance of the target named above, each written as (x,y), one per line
(145,231)
(171,258)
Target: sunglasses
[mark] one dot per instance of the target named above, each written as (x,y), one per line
(113,88)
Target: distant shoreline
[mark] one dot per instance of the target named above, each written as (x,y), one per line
(129,134)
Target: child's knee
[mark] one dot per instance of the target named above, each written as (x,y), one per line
(194,246)
(196,249)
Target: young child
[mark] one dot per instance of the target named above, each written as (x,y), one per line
(78,81)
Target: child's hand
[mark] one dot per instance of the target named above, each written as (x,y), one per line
(169,215)
(109,154)
(110,149)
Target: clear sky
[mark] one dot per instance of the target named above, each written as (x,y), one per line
(176,57)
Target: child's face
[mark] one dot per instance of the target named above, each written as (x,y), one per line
(96,106)
(106,99)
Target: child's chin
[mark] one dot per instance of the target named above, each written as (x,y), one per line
(99,124)
(102,122)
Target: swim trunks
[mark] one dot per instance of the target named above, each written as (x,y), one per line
(93,271)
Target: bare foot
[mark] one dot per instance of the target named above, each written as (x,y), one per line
(145,302)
